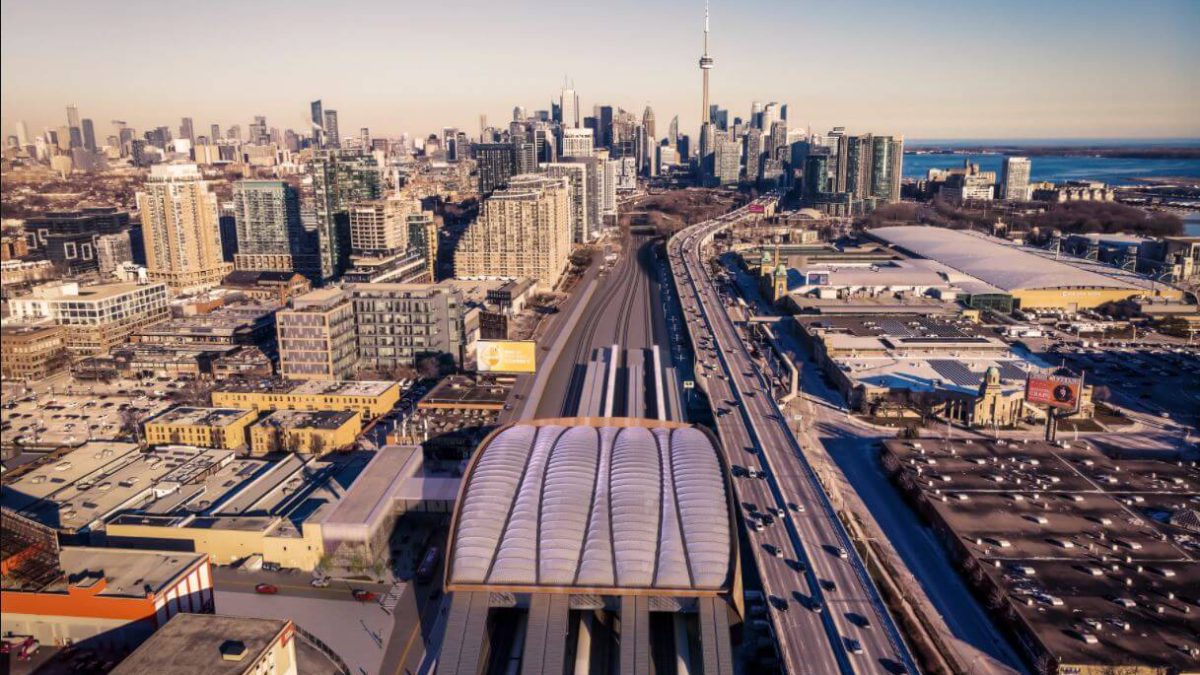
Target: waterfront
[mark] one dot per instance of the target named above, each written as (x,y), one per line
(1114,170)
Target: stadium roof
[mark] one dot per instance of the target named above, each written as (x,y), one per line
(1006,266)
(595,504)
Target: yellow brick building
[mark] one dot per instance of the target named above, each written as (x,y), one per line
(370,398)
(306,432)
(223,428)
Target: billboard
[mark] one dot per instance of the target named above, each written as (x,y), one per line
(757,208)
(505,356)
(1054,391)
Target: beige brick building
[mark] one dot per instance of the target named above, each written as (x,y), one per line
(181,230)
(522,231)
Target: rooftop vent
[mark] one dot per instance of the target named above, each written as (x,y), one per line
(232,650)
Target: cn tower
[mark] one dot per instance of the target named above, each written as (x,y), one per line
(706,64)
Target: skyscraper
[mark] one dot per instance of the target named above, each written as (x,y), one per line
(74,133)
(1014,179)
(338,181)
(495,163)
(89,135)
(269,232)
(186,130)
(332,139)
(214,132)
(258,131)
(604,126)
(577,143)
(180,228)
(568,104)
(318,119)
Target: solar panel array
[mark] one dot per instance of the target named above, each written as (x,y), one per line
(960,374)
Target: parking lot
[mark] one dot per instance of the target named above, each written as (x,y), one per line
(1162,380)
(100,412)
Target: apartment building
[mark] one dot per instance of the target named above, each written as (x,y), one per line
(97,318)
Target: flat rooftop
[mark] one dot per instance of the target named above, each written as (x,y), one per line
(345,388)
(196,644)
(1080,543)
(68,293)
(309,419)
(127,572)
(997,262)
(204,417)
(465,392)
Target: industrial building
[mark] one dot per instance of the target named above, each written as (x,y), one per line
(1087,561)
(209,644)
(93,597)
(587,541)
(997,274)
(893,365)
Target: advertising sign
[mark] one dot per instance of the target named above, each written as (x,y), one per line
(757,208)
(506,356)
(1054,391)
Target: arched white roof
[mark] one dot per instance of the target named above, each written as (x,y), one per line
(595,506)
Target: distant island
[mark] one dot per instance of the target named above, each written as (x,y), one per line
(1130,151)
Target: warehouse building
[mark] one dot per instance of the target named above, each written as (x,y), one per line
(997,274)
(370,398)
(209,644)
(93,597)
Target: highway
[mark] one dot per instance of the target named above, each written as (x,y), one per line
(805,558)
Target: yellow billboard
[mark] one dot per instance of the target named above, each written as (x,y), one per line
(506,356)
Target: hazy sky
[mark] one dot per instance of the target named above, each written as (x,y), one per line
(925,69)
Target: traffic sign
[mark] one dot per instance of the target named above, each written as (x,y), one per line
(689,384)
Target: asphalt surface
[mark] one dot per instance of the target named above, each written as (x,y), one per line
(809,568)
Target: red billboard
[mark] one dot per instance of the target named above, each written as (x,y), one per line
(1054,391)
(757,208)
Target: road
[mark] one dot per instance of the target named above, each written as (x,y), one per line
(805,558)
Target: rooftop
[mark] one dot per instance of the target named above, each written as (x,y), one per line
(1079,543)
(994,261)
(126,572)
(73,292)
(202,644)
(521,519)
(310,419)
(207,417)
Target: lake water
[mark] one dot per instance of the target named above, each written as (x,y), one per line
(1191,225)
(1114,170)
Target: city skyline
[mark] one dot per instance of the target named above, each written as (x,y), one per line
(1034,73)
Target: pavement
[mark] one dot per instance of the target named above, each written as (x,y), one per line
(811,568)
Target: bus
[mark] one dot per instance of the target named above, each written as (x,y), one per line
(428,565)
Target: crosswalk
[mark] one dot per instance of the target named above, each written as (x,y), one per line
(392,597)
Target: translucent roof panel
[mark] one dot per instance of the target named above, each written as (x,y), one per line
(638,505)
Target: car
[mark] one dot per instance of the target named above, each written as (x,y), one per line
(858,620)
(319,582)
(854,646)
(363,595)
(841,553)
(777,552)
(266,589)
(829,585)
(271,567)
(798,508)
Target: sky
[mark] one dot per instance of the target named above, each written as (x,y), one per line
(924,69)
